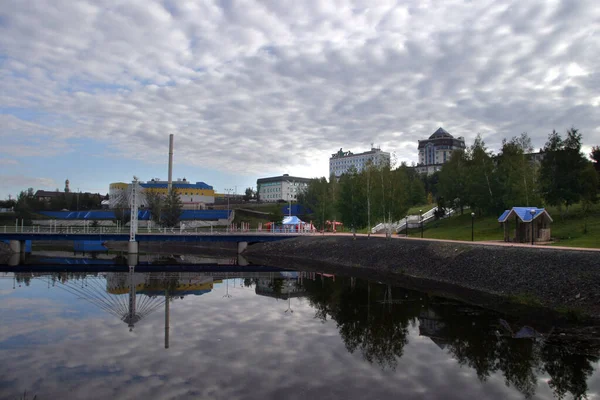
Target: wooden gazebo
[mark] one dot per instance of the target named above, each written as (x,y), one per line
(523,222)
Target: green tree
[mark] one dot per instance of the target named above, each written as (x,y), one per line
(453,180)
(172,210)
(589,191)
(562,168)
(249,194)
(317,198)
(516,174)
(156,204)
(352,199)
(595,156)
(481,182)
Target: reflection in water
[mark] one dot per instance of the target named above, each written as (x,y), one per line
(375,320)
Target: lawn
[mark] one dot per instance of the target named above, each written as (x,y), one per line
(567,228)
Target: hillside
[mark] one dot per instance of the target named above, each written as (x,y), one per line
(567,229)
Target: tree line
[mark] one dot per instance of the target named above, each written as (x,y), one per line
(359,199)
(559,175)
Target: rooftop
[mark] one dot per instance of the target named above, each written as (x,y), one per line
(441,133)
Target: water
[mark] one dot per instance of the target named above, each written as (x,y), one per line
(269,335)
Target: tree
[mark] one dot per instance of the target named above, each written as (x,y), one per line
(595,156)
(516,174)
(481,182)
(173,206)
(453,179)
(562,168)
(156,203)
(589,191)
(249,194)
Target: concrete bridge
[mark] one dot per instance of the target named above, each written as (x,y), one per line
(243,239)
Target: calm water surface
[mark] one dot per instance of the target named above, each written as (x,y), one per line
(268,335)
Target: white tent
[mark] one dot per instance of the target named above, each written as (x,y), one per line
(291,220)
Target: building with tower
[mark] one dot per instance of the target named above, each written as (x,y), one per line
(437,150)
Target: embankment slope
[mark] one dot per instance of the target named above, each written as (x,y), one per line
(558,279)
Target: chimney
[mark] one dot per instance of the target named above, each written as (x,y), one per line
(170,162)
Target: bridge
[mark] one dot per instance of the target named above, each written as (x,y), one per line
(243,239)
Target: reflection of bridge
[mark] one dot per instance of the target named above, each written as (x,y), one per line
(132,296)
(17,240)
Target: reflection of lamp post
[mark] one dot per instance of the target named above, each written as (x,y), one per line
(421,217)
(472,224)
(532,212)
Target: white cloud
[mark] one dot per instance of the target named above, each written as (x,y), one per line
(27,181)
(251,86)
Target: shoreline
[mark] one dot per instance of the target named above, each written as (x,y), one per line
(539,279)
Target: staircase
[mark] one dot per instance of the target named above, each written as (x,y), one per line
(413,221)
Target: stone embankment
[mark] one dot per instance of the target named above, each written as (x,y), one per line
(566,280)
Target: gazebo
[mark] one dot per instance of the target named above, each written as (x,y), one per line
(530,224)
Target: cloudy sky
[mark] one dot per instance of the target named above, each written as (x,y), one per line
(91,89)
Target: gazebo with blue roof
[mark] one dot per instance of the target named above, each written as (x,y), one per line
(528,222)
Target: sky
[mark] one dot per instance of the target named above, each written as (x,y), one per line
(91,89)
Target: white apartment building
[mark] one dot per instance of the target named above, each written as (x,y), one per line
(342,161)
(278,188)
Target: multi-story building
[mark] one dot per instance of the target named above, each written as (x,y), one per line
(277,188)
(436,151)
(342,161)
(192,195)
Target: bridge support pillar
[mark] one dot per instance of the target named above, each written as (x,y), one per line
(16,246)
(15,259)
(132,247)
(242,246)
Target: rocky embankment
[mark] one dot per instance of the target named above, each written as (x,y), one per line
(565,280)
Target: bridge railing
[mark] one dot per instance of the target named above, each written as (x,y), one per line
(154,230)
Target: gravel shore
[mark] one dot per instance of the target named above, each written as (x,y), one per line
(546,277)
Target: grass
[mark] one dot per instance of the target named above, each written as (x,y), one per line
(567,228)
(525,299)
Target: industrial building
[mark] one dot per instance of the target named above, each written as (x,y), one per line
(436,151)
(342,161)
(194,196)
(280,188)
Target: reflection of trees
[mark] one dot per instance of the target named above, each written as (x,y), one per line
(366,323)
(474,341)
(474,337)
(568,368)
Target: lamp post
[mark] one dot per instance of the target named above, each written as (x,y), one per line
(532,212)
(472,224)
(421,217)
(228,191)
(406,225)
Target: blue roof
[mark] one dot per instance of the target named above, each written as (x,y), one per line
(143,215)
(176,184)
(524,213)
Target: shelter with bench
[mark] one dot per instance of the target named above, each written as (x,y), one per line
(523,222)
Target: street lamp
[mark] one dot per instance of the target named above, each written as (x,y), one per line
(532,212)
(289,198)
(421,217)
(406,225)
(228,191)
(472,223)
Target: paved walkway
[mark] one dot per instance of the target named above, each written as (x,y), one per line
(483,243)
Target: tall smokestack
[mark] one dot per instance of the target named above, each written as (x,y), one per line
(170,161)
